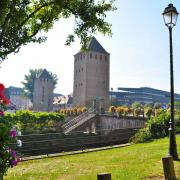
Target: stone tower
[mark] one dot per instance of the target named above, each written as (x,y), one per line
(91,76)
(43,92)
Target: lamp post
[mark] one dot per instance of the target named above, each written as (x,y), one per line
(111,95)
(170,16)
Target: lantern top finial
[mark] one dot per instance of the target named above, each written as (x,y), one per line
(169,9)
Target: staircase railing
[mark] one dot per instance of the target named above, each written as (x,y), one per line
(75,122)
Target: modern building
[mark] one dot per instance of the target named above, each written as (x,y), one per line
(91,75)
(43,92)
(142,95)
(17,98)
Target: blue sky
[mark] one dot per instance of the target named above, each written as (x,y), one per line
(139,50)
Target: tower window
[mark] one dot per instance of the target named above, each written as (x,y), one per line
(49,102)
(100,57)
(95,56)
(90,56)
(43,94)
(105,58)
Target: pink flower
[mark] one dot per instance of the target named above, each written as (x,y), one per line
(1,87)
(13,153)
(1,113)
(14,162)
(13,133)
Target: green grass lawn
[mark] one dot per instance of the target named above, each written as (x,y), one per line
(139,161)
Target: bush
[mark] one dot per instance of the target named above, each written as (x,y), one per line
(148,112)
(141,136)
(8,157)
(156,127)
(31,122)
(120,111)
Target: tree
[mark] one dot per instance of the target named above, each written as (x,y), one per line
(136,105)
(29,81)
(148,105)
(22,20)
(177,104)
(157,105)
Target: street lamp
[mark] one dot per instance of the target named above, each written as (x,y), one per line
(111,95)
(170,16)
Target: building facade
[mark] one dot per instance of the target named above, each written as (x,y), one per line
(142,95)
(17,98)
(91,76)
(43,92)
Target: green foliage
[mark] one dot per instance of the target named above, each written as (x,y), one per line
(148,105)
(5,139)
(136,105)
(30,122)
(29,81)
(148,112)
(22,20)
(143,135)
(177,105)
(157,105)
(7,156)
(156,127)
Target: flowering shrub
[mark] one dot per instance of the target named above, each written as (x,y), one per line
(8,156)
(112,109)
(73,111)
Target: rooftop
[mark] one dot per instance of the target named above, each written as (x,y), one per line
(95,46)
(44,75)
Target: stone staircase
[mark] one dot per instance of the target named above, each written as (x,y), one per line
(77,121)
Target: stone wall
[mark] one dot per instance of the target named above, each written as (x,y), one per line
(109,123)
(104,124)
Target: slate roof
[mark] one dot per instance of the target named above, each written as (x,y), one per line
(95,46)
(44,75)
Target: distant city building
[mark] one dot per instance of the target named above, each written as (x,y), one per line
(62,102)
(91,76)
(142,95)
(43,92)
(17,98)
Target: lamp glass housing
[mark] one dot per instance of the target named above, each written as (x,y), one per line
(170,15)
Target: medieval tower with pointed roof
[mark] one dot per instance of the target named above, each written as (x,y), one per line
(43,92)
(91,76)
